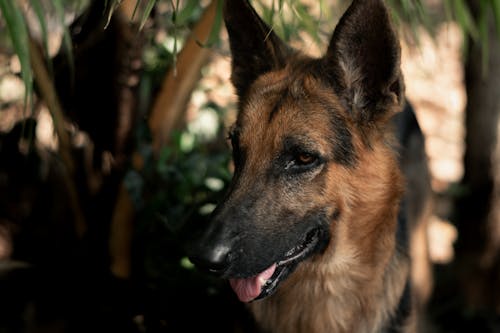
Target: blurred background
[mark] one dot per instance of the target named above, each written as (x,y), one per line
(113,153)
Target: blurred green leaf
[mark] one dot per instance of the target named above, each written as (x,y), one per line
(147,11)
(135,9)
(186,263)
(495,4)
(111,6)
(20,40)
(190,9)
(214,33)
(307,22)
(40,14)
(464,17)
(289,17)
(483,23)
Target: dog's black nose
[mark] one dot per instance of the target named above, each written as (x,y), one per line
(215,260)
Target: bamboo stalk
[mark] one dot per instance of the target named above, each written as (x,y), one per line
(49,95)
(177,86)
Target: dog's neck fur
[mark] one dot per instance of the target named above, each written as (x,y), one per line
(333,291)
(339,291)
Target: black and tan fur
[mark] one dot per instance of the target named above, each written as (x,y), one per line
(317,176)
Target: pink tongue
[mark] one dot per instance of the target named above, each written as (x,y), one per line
(249,288)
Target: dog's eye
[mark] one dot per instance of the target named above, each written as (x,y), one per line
(305,159)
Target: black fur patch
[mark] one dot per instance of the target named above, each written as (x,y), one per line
(343,149)
(247,31)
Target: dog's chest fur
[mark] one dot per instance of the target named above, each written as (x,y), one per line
(331,301)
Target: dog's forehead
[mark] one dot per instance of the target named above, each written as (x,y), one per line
(273,96)
(298,99)
(272,92)
(295,104)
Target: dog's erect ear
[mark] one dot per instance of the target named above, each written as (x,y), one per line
(363,62)
(254,46)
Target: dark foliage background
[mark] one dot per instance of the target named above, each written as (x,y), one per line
(95,220)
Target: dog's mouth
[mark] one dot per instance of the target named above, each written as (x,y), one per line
(266,282)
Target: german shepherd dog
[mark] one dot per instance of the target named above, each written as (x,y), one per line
(311,232)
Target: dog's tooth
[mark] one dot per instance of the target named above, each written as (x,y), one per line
(262,281)
(266,275)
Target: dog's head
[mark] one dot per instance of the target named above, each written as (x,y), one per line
(302,125)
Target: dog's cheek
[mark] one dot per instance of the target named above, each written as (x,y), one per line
(336,191)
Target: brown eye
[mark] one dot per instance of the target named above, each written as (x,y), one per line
(305,158)
(299,159)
